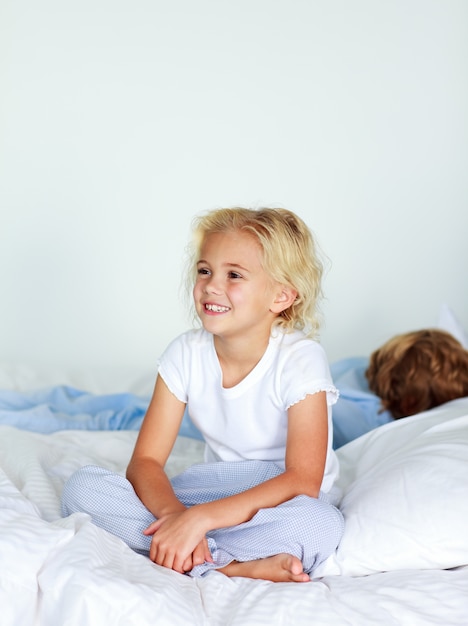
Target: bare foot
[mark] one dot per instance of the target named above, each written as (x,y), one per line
(281,568)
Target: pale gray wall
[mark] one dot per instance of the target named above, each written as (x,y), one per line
(121,120)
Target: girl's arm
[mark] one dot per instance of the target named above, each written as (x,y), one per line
(146,470)
(152,449)
(306,452)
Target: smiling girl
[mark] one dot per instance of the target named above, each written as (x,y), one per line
(257,385)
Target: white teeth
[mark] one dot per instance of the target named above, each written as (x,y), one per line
(216,308)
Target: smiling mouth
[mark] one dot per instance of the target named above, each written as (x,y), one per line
(216,308)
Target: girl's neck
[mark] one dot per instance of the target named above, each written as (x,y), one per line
(238,359)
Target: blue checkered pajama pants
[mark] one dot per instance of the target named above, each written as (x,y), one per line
(308,528)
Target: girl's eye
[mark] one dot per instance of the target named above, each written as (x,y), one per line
(203,271)
(234,275)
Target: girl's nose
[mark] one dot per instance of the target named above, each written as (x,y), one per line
(212,285)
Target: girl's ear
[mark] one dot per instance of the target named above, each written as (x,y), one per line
(285,296)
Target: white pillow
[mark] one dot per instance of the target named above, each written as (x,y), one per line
(448,322)
(405,495)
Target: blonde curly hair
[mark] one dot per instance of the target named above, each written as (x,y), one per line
(417,371)
(290,256)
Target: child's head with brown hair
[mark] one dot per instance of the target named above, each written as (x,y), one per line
(290,255)
(417,371)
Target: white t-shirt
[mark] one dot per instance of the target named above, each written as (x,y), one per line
(249,420)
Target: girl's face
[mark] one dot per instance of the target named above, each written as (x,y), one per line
(233,295)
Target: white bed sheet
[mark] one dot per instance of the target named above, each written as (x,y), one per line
(67,572)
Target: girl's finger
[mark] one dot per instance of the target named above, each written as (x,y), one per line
(152,528)
(188,564)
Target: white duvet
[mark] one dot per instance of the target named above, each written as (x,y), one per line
(403,558)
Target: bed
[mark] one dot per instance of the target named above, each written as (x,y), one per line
(403,558)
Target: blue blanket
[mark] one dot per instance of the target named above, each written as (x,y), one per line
(67,408)
(357,410)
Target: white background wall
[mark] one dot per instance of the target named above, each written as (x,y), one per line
(120,120)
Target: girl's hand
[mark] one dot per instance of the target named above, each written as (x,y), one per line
(179,541)
(199,555)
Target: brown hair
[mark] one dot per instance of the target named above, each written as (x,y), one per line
(417,371)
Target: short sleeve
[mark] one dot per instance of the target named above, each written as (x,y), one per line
(307,372)
(173,367)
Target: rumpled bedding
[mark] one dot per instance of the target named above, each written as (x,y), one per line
(403,558)
(64,407)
